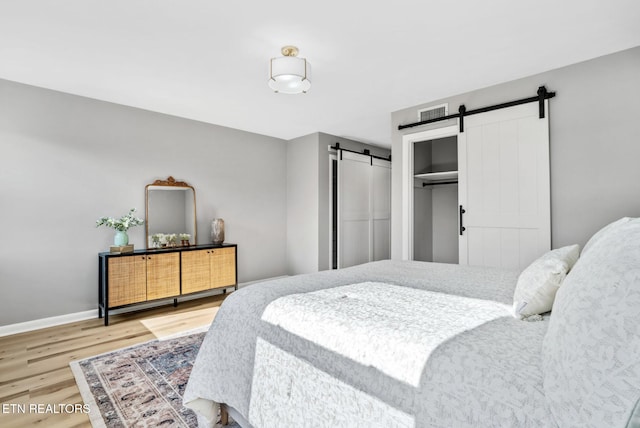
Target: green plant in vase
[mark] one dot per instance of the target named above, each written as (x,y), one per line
(121,226)
(171,239)
(184,239)
(157,239)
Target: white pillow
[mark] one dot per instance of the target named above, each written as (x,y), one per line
(590,352)
(604,231)
(539,282)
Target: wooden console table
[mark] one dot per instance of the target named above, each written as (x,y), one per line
(146,275)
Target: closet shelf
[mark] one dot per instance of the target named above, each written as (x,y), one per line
(437,176)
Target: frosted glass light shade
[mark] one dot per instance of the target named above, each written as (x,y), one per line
(290,75)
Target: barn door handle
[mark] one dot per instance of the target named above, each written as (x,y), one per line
(462,228)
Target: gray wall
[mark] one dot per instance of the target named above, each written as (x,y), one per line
(445,223)
(302,204)
(445,203)
(422,223)
(595,142)
(67,160)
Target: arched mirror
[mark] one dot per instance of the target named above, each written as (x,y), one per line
(171,214)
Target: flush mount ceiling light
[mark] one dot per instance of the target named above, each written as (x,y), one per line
(289,74)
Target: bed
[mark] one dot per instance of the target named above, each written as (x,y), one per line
(414,344)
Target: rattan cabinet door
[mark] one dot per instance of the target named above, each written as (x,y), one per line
(196,273)
(163,275)
(223,267)
(127,280)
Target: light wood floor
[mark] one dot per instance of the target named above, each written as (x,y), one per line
(34,366)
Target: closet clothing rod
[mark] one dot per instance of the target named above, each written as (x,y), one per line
(365,152)
(435,183)
(543,94)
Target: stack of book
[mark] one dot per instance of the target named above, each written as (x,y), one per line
(121,249)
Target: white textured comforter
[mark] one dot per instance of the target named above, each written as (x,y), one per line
(385,344)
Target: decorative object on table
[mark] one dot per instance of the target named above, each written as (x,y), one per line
(217,231)
(153,384)
(121,226)
(184,239)
(171,239)
(121,249)
(158,240)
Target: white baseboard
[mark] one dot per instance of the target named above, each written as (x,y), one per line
(244,284)
(7,330)
(22,327)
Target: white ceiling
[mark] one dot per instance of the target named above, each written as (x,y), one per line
(208,60)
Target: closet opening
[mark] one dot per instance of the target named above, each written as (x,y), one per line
(435,200)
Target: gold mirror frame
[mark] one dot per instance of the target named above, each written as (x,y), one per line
(170,184)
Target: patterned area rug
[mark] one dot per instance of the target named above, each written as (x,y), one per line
(140,386)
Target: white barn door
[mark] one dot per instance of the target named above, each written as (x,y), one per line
(364,209)
(354,201)
(504,187)
(380,209)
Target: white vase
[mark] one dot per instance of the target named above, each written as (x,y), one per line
(217,231)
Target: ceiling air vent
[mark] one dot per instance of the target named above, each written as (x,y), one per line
(434,112)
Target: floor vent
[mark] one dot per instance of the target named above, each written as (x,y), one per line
(434,112)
